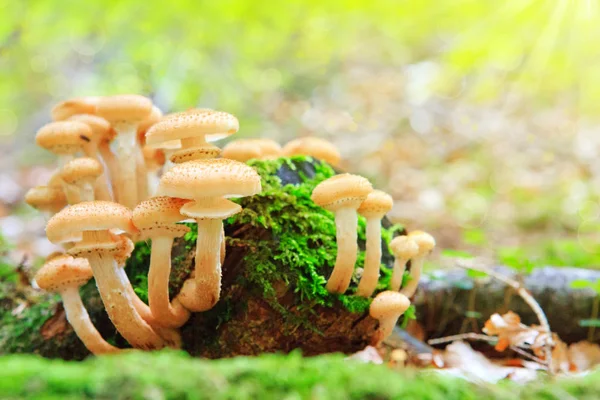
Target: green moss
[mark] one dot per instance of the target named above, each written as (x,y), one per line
(174,375)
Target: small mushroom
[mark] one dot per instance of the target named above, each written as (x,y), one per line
(89,225)
(125,112)
(374,208)
(315,147)
(247,149)
(77,105)
(426,243)
(48,199)
(65,275)
(82,173)
(404,248)
(387,307)
(65,139)
(342,195)
(209,183)
(157,218)
(195,129)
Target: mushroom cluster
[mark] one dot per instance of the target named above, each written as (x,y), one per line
(127,173)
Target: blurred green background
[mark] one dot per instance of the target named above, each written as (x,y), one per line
(479,117)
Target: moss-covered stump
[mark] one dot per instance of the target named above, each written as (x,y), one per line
(280,250)
(175,375)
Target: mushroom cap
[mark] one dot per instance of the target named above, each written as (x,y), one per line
(124,108)
(247,149)
(404,247)
(314,147)
(195,153)
(63,271)
(269,148)
(42,197)
(219,177)
(424,240)
(388,304)
(213,125)
(158,216)
(81,170)
(64,137)
(154,117)
(376,205)
(101,129)
(344,190)
(211,208)
(123,250)
(68,224)
(76,105)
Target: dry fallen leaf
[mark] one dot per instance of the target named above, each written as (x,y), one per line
(510,331)
(584,355)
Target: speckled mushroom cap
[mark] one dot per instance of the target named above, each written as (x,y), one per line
(213,125)
(63,271)
(404,247)
(77,105)
(376,205)
(242,150)
(64,137)
(388,304)
(81,170)
(212,208)
(195,153)
(69,223)
(314,147)
(424,240)
(124,108)
(154,117)
(269,148)
(158,216)
(219,177)
(101,129)
(344,190)
(46,197)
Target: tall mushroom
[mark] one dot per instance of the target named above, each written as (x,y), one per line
(125,112)
(141,167)
(209,183)
(82,174)
(196,129)
(314,147)
(387,307)
(426,243)
(342,194)
(89,225)
(157,218)
(154,160)
(374,208)
(404,248)
(65,275)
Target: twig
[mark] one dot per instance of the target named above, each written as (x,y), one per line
(527,355)
(470,336)
(528,298)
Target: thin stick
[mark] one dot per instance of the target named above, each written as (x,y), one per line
(527,355)
(462,336)
(528,298)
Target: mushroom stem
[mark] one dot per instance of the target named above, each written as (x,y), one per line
(416,265)
(119,304)
(346,222)
(112,164)
(398,274)
(126,155)
(171,315)
(208,262)
(72,193)
(141,174)
(101,186)
(370,276)
(80,320)
(86,191)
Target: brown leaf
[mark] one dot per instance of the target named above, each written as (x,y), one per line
(584,355)
(56,325)
(510,331)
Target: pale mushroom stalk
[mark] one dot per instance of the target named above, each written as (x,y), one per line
(426,243)
(208,261)
(398,273)
(80,320)
(111,162)
(387,307)
(141,171)
(404,248)
(126,155)
(370,276)
(173,314)
(346,222)
(72,193)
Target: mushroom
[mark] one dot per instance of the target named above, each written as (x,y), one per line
(48,199)
(314,147)
(387,307)
(195,129)
(342,195)
(89,225)
(125,112)
(65,275)
(426,243)
(154,160)
(77,105)
(246,149)
(102,134)
(209,183)
(82,173)
(65,138)
(157,219)
(404,248)
(374,208)
(141,167)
